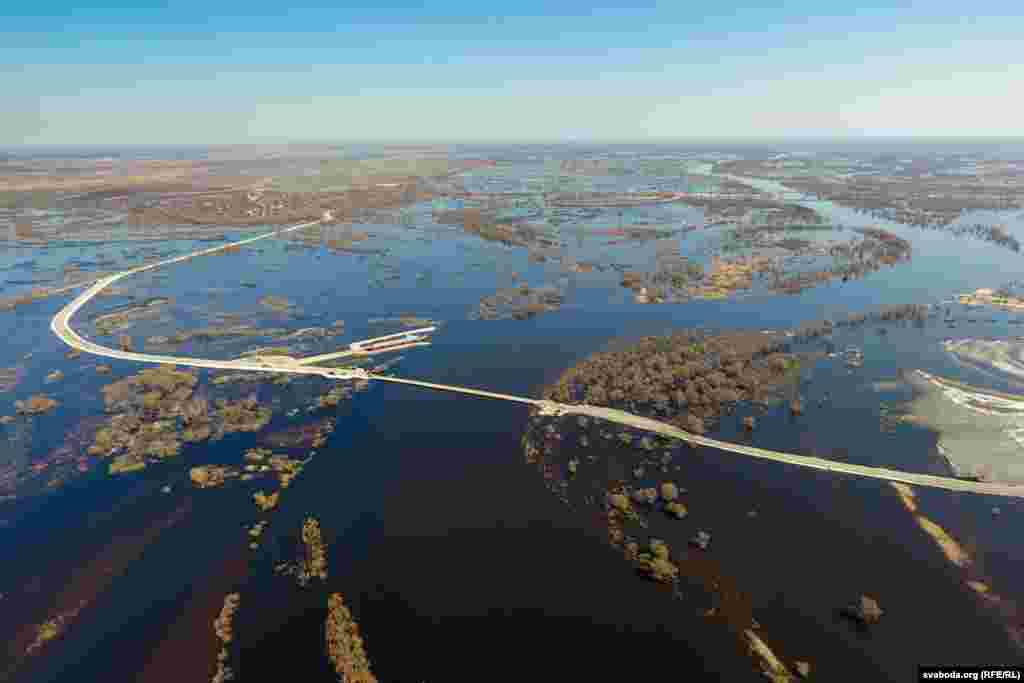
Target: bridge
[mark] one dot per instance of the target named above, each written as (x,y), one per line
(61,326)
(367,347)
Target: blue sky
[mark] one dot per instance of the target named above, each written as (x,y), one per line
(232,72)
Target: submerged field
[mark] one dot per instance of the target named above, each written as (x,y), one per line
(393,533)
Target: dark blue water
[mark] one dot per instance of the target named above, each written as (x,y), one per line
(455,559)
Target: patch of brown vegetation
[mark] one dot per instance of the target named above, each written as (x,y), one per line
(915,200)
(122,319)
(52,628)
(314,564)
(345,646)
(35,405)
(266,502)
(686,378)
(9,378)
(878,248)
(286,468)
(246,415)
(211,476)
(147,409)
(278,304)
(963,559)
(727,277)
(224,630)
(520,303)
(335,396)
(222,626)
(72,280)
(655,561)
(145,175)
(263,207)
(484,224)
(159,391)
(303,436)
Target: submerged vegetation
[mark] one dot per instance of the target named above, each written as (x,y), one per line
(266,502)
(123,319)
(211,476)
(749,243)
(303,436)
(345,646)
(156,411)
(312,561)
(9,378)
(629,513)
(314,565)
(52,629)
(218,332)
(223,628)
(521,303)
(688,378)
(36,405)
(278,304)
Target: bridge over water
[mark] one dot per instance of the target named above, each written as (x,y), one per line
(61,326)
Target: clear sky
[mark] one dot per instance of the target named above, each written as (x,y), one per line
(229,72)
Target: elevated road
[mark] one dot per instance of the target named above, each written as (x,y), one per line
(61,323)
(914,478)
(461,390)
(622,417)
(348,353)
(61,326)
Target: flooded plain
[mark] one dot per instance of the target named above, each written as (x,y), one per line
(467,539)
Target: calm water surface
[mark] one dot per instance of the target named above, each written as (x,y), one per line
(455,559)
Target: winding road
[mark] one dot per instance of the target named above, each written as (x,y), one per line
(61,326)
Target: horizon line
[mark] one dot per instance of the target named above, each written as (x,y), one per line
(529,141)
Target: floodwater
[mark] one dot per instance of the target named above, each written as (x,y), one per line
(454,557)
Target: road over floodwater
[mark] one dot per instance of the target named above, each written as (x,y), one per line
(61,326)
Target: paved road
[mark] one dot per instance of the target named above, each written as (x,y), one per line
(61,323)
(547,406)
(930,480)
(622,417)
(61,326)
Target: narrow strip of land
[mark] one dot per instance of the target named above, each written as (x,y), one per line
(647,424)
(61,326)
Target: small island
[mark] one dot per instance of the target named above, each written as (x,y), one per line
(991,297)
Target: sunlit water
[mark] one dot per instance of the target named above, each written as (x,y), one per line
(455,559)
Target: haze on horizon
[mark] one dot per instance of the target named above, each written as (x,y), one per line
(456,71)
